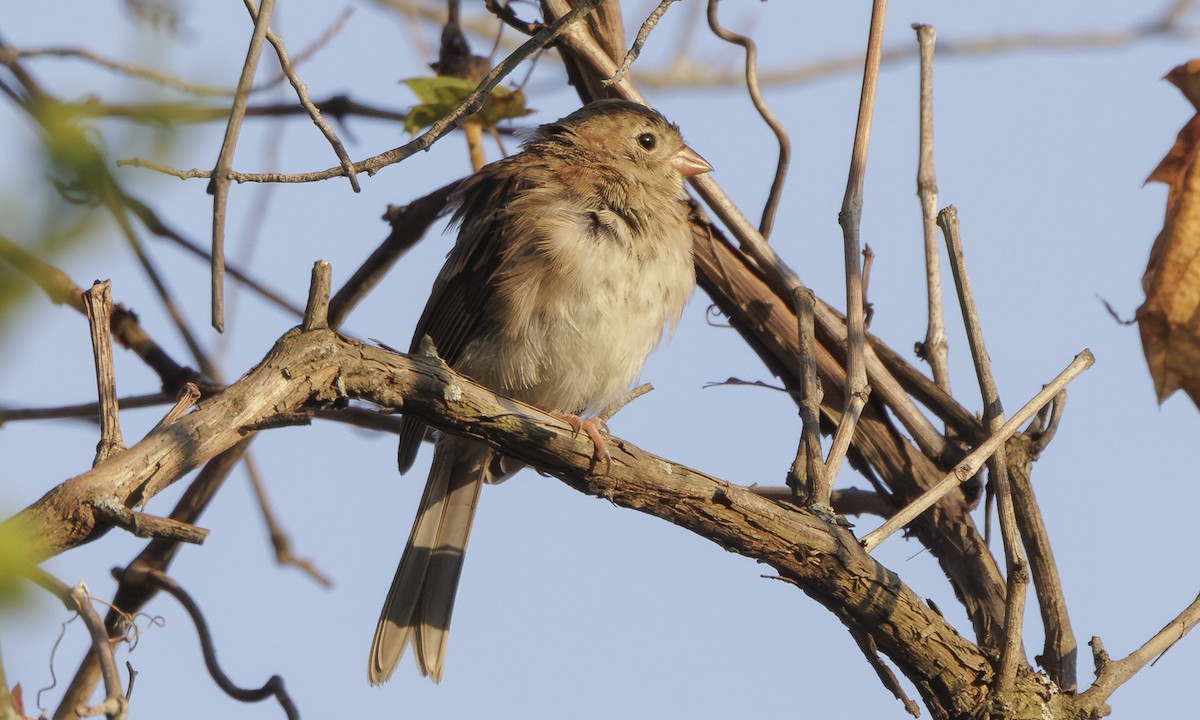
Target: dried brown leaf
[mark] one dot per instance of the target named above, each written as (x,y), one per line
(1169,320)
(1173,167)
(1186,77)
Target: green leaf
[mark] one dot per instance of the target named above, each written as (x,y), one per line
(440,94)
(16,551)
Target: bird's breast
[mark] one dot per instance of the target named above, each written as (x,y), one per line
(579,306)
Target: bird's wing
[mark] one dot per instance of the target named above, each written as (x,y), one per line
(456,311)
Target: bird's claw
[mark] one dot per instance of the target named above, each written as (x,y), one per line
(592,427)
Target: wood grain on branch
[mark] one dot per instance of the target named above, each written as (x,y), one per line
(305,369)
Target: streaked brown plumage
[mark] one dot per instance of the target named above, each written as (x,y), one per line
(572,257)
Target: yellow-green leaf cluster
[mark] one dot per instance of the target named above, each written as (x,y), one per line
(440,94)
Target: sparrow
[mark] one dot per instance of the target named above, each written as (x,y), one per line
(573,259)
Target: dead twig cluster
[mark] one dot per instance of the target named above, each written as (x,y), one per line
(882,413)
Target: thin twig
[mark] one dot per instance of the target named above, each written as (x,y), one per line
(1058,658)
(87,411)
(188,397)
(171,81)
(156,226)
(868,262)
(1047,427)
(132,594)
(508,16)
(219,187)
(253,226)
(115,204)
(870,651)
(289,71)
(1011,651)
(682,73)
(98,303)
(934,349)
(639,42)
(472,102)
(607,413)
(850,219)
(168,113)
(808,476)
(143,525)
(1110,675)
(1017,506)
(785,145)
(469,106)
(321,41)
(281,543)
(130,69)
(79,600)
(274,685)
(971,464)
(115,704)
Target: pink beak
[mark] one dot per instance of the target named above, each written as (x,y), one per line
(688,162)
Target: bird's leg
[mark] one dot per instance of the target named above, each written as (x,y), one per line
(592,426)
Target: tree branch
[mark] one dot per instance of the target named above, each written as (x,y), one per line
(312,368)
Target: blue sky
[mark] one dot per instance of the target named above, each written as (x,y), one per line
(570,607)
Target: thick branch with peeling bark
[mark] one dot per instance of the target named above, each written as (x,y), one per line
(311,368)
(768,324)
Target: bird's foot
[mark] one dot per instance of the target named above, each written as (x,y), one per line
(592,426)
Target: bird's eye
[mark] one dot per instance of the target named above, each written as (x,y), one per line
(647,140)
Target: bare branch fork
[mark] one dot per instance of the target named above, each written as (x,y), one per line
(973,462)
(78,599)
(134,591)
(1111,674)
(314,113)
(1020,519)
(640,41)
(470,104)
(1011,651)
(318,366)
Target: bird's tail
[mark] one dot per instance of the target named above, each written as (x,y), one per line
(419,604)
